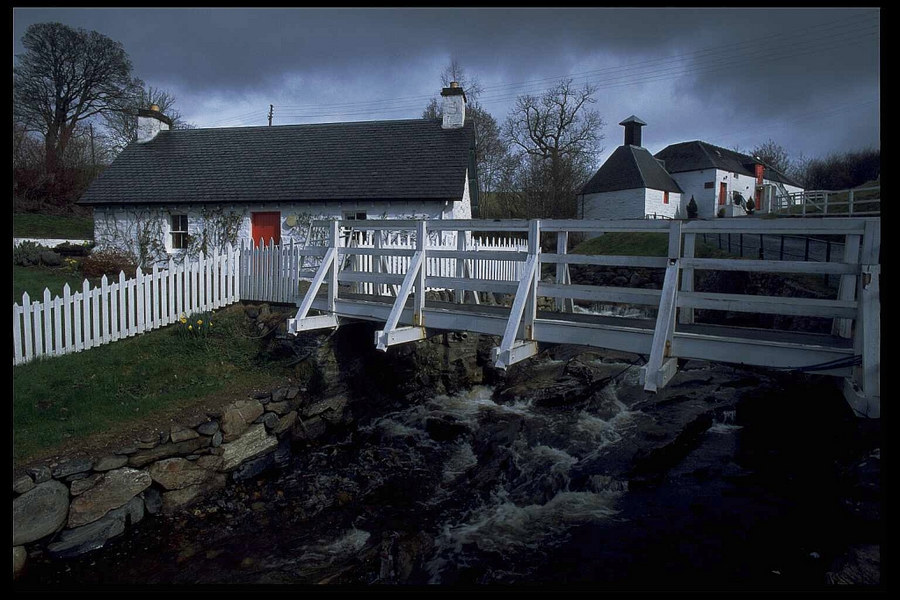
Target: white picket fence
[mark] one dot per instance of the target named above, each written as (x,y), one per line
(53,326)
(113,311)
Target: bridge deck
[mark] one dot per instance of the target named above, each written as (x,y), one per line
(744,345)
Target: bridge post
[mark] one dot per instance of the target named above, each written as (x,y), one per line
(459,295)
(524,307)
(847,286)
(329,269)
(686,314)
(414,280)
(562,272)
(661,366)
(419,306)
(863,390)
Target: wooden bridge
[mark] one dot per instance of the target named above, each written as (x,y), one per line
(398,299)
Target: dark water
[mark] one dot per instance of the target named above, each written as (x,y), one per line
(463,490)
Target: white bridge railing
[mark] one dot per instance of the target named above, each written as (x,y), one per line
(855,309)
(858,202)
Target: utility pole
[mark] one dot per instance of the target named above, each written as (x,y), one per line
(271,109)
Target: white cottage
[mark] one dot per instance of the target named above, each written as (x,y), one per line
(177,190)
(722,180)
(631,184)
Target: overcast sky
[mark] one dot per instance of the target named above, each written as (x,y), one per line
(807,78)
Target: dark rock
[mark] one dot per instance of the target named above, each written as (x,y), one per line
(178,500)
(285,423)
(253,467)
(78,465)
(179,473)
(23,484)
(108,463)
(127,450)
(19,557)
(152,500)
(40,474)
(292,392)
(82,485)
(112,490)
(238,417)
(279,408)
(216,439)
(282,454)
(180,433)
(619,281)
(444,428)
(39,512)
(75,477)
(148,456)
(208,428)
(76,541)
(50,258)
(279,395)
(270,420)
(164,437)
(252,312)
(252,444)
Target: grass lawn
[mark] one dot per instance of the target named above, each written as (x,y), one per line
(57,400)
(52,226)
(34,279)
(639,243)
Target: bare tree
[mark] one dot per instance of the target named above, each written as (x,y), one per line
(558,140)
(774,155)
(66,76)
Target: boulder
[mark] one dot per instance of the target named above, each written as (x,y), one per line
(208,428)
(270,420)
(50,258)
(92,536)
(285,423)
(152,500)
(237,418)
(40,512)
(113,490)
(252,444)
(40,474)
(179,473)
(82,485)
(78,465)
(165,451)
(177,500)
(19,556)
(253,467)
(23,484)
(108,463)
(179,433)
(279,408)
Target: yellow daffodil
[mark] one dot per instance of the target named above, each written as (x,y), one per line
(199,321)
(190,327)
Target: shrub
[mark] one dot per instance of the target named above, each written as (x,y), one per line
(67,249)
(751,206)
(27,254)
(721,212)
(692,209)
(109,263)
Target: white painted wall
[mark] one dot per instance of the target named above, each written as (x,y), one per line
(653,204)
(623,204)
(120,226)
(692,183)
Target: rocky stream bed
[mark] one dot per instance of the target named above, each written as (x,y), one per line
(432,468)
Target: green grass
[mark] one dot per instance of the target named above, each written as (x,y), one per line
(74,396)
(638,244)
(34,279)
(52,226)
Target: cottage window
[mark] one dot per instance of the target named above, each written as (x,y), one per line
(179,232)
(350,235)
(709,185)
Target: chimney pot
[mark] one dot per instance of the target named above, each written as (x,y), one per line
(154,107)
(454,106)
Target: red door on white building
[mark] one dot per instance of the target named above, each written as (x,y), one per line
(265,226)
(722,193)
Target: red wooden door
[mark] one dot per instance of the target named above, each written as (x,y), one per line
(265,226)
(722,189)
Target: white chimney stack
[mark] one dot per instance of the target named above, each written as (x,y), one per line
(151,122)
(454,106)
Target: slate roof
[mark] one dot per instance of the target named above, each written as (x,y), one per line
(628,168)
(411,159)
(697,156)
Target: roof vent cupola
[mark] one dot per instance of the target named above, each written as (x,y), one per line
(632,127)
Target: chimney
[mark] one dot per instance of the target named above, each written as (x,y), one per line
(454,106)
(632,127)
(150,122)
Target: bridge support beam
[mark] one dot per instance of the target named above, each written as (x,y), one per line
(524,307)
(328,269)
(655,374)
(415,278)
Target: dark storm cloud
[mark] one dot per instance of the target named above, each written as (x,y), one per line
(727,74)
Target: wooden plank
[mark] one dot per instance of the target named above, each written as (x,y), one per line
(598,293)
(376,252)
(171,291)
(18,353)
(778,305)
(686,315)
(481,285)
(312,323)
(870,313)
(104,310)
(601,226)
(114,312)
(807,226)
(96,317)
(26,326)
(317,281)
(76,328)
(419,304)
(57,327)
(665,328)
(86,314)
(361,277)
(68,306)
(848,283)
(500,255)
(399,304)
(38,330)
(47,307)
(770,266)
(516,313)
